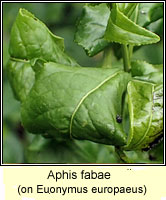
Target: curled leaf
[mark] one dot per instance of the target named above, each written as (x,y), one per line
(127,8)
(122,30)
(145,101)
(84,106)
(30,40)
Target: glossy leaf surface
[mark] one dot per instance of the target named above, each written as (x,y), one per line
(144,71)
(91,28)
(145,101)
(77,102)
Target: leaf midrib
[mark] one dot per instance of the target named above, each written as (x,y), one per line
(85,96)
(150,121)
(147,130)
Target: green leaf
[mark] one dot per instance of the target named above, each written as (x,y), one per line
(84,106)
(145,102)
(50,151)
(122,30)
(149,12)
(156,27)
(91,28)
(21,77)
(138,156)
(30,39)
(150,15)
(144,71)
(65,102)
(150,53)
(127,8)
(156,127)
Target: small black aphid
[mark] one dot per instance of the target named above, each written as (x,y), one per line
(118,118)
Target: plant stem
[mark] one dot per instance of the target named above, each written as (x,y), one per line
(126,59)
(108,57)
(19,60)
(130,51)
(123,156)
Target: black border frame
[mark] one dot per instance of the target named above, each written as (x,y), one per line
(81,164)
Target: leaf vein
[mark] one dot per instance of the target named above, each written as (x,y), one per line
(84,97)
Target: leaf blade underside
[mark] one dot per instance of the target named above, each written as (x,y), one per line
(122,30)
